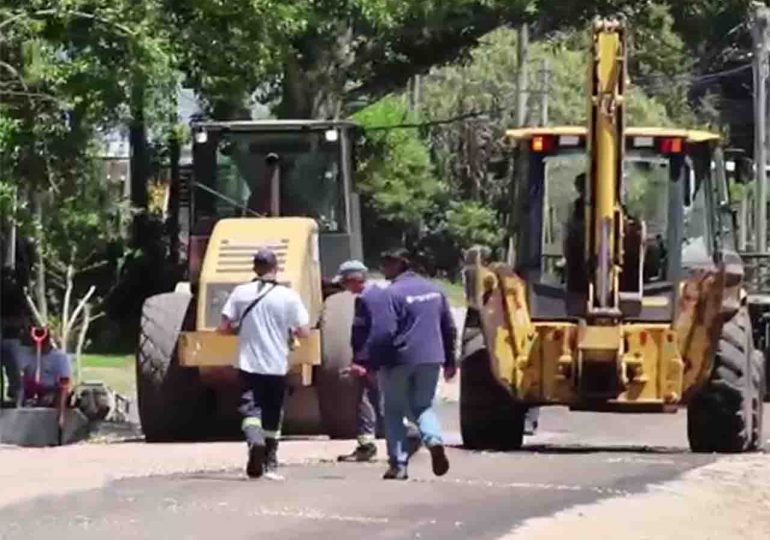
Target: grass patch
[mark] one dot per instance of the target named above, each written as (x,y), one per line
(107,360)
(116,371)
(454,292)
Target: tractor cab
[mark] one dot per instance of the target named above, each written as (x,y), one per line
(671,180)
(275,168)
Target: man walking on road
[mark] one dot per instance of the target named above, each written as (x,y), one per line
(419,333)
(369,301)
(266,316)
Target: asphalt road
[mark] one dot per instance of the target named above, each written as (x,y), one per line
(575,458)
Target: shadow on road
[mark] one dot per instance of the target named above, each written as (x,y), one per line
(587,449)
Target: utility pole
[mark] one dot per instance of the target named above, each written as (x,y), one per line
(545,75)
(522,59)
(759,32)
(415,96)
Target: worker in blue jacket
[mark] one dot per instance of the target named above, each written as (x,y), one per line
(370,303)
(414,338)
(369,300)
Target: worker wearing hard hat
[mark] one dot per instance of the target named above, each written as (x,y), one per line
(352,275)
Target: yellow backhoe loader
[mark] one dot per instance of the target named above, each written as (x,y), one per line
(631,299)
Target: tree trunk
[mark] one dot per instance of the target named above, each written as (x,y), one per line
(41,298)
(296,92)
(139,166)
(66,319)
(10,249)
(81,342)
(314,89)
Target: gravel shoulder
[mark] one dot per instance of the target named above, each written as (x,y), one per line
(727,499)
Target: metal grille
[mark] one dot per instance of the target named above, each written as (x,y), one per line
(235,258)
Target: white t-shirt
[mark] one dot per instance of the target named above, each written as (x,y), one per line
(263,339)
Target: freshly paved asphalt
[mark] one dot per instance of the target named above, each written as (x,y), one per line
(575,458)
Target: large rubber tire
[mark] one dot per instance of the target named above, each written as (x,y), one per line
(169,395)
(337,393)
(720,415)
(490,418)
(757,404)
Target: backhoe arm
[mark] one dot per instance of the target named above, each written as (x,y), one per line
(604,230)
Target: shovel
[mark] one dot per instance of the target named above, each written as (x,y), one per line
(39,336)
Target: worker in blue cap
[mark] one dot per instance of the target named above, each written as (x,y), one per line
(352,275)
(370,304)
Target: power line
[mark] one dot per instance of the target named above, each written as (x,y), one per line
(694,78)
(466,116)
(443,121)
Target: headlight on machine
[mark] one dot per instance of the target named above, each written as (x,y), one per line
(216,296)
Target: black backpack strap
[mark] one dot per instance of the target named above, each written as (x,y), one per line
(269,286)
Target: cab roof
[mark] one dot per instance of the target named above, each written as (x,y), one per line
(274,125)
(693,136)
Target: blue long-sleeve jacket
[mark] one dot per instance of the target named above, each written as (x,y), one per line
(416,327)
(371,303)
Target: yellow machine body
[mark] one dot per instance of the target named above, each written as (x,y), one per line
(228,263)
(542,362)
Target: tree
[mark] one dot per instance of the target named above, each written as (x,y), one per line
(230,50)
(486,84)
(396,177)
(63,88)
(326,58)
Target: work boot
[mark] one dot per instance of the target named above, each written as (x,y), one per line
(531,421)
(256,464)
(271,459)
(364,453)
(396,472)
(438,459)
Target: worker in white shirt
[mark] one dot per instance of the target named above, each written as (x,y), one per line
(266,316)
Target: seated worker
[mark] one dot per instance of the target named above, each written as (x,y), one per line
(574,245)
(45,382)
(655,260)
(13,318)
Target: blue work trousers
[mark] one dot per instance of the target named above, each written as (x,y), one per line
(369,419)
(408,392)
(262,399)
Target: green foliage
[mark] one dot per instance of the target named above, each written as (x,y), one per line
(73,70)
(397,176)
(399,184)
(470,223)
(231,49)
(317,58)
